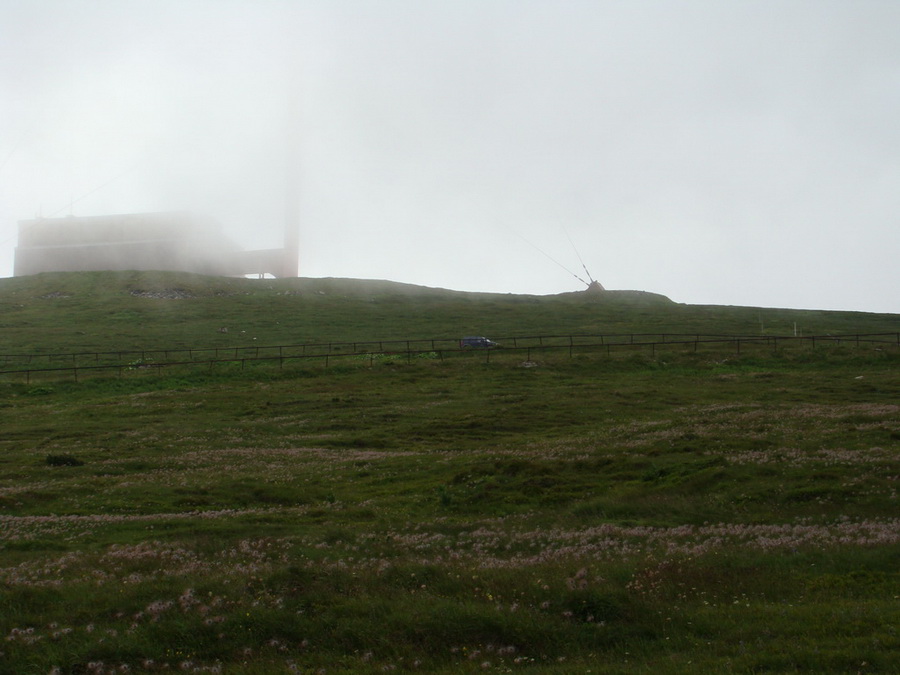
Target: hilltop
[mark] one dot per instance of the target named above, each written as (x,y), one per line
(126,310)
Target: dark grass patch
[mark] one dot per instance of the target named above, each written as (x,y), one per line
(62,460)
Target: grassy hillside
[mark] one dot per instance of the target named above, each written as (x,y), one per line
(633,511)
(101,311)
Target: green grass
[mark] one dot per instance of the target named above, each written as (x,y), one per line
(632,511)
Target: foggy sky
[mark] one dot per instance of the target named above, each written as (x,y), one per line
(736,153)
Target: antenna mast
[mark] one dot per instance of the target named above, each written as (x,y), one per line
(594,285)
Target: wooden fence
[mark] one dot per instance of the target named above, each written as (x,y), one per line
(120,362)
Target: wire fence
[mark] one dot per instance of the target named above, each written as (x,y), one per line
(73,364)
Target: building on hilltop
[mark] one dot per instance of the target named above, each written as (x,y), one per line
(173,241)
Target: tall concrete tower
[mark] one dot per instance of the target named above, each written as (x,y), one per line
(292,191)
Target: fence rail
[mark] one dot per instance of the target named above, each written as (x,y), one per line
(123,361)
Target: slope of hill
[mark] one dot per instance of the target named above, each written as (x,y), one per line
(126,310)
(664,510)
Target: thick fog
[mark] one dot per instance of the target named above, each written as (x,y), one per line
(741,153)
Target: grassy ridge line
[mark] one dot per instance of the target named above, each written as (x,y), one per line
(106,311)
